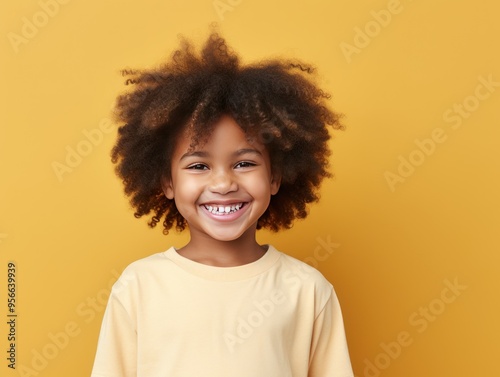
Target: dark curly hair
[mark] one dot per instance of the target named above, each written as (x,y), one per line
(273,101)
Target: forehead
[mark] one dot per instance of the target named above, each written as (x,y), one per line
(224,134)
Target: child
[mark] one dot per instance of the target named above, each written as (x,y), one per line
(223,150)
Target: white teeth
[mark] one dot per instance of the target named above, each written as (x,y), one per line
(222,210)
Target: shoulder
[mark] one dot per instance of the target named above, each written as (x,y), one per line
(302,271)
(297,275)
(147,263)
(142,271)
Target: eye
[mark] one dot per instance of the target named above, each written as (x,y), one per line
(244,164)
(198,166)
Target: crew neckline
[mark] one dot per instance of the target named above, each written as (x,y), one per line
(217,273)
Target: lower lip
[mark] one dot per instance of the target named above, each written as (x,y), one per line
(227,217)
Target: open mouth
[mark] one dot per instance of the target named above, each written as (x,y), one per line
(222,210)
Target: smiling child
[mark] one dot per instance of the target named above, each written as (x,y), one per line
(222,150)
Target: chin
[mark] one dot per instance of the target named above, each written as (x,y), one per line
(226,236)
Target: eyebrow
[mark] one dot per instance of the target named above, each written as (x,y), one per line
(193,154)
(237,153)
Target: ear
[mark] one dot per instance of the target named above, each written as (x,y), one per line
(275,184)
(168,189)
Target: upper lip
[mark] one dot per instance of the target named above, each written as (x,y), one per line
(226,202)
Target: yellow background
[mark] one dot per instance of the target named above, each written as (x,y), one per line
(395,247)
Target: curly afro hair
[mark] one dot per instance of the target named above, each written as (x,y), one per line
(274,102)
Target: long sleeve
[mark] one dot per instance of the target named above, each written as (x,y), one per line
(329,353)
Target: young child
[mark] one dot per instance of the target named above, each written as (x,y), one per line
(223,150)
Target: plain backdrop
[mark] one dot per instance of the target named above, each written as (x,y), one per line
(407,231)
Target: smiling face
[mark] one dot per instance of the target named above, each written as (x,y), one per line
(222,186)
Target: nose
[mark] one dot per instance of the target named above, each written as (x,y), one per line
(222,182)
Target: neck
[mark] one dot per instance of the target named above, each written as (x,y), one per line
(209,251)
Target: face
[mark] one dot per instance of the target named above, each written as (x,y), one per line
(224,185)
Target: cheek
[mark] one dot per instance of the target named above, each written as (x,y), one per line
(260,187)
(187,189)
(186,197)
